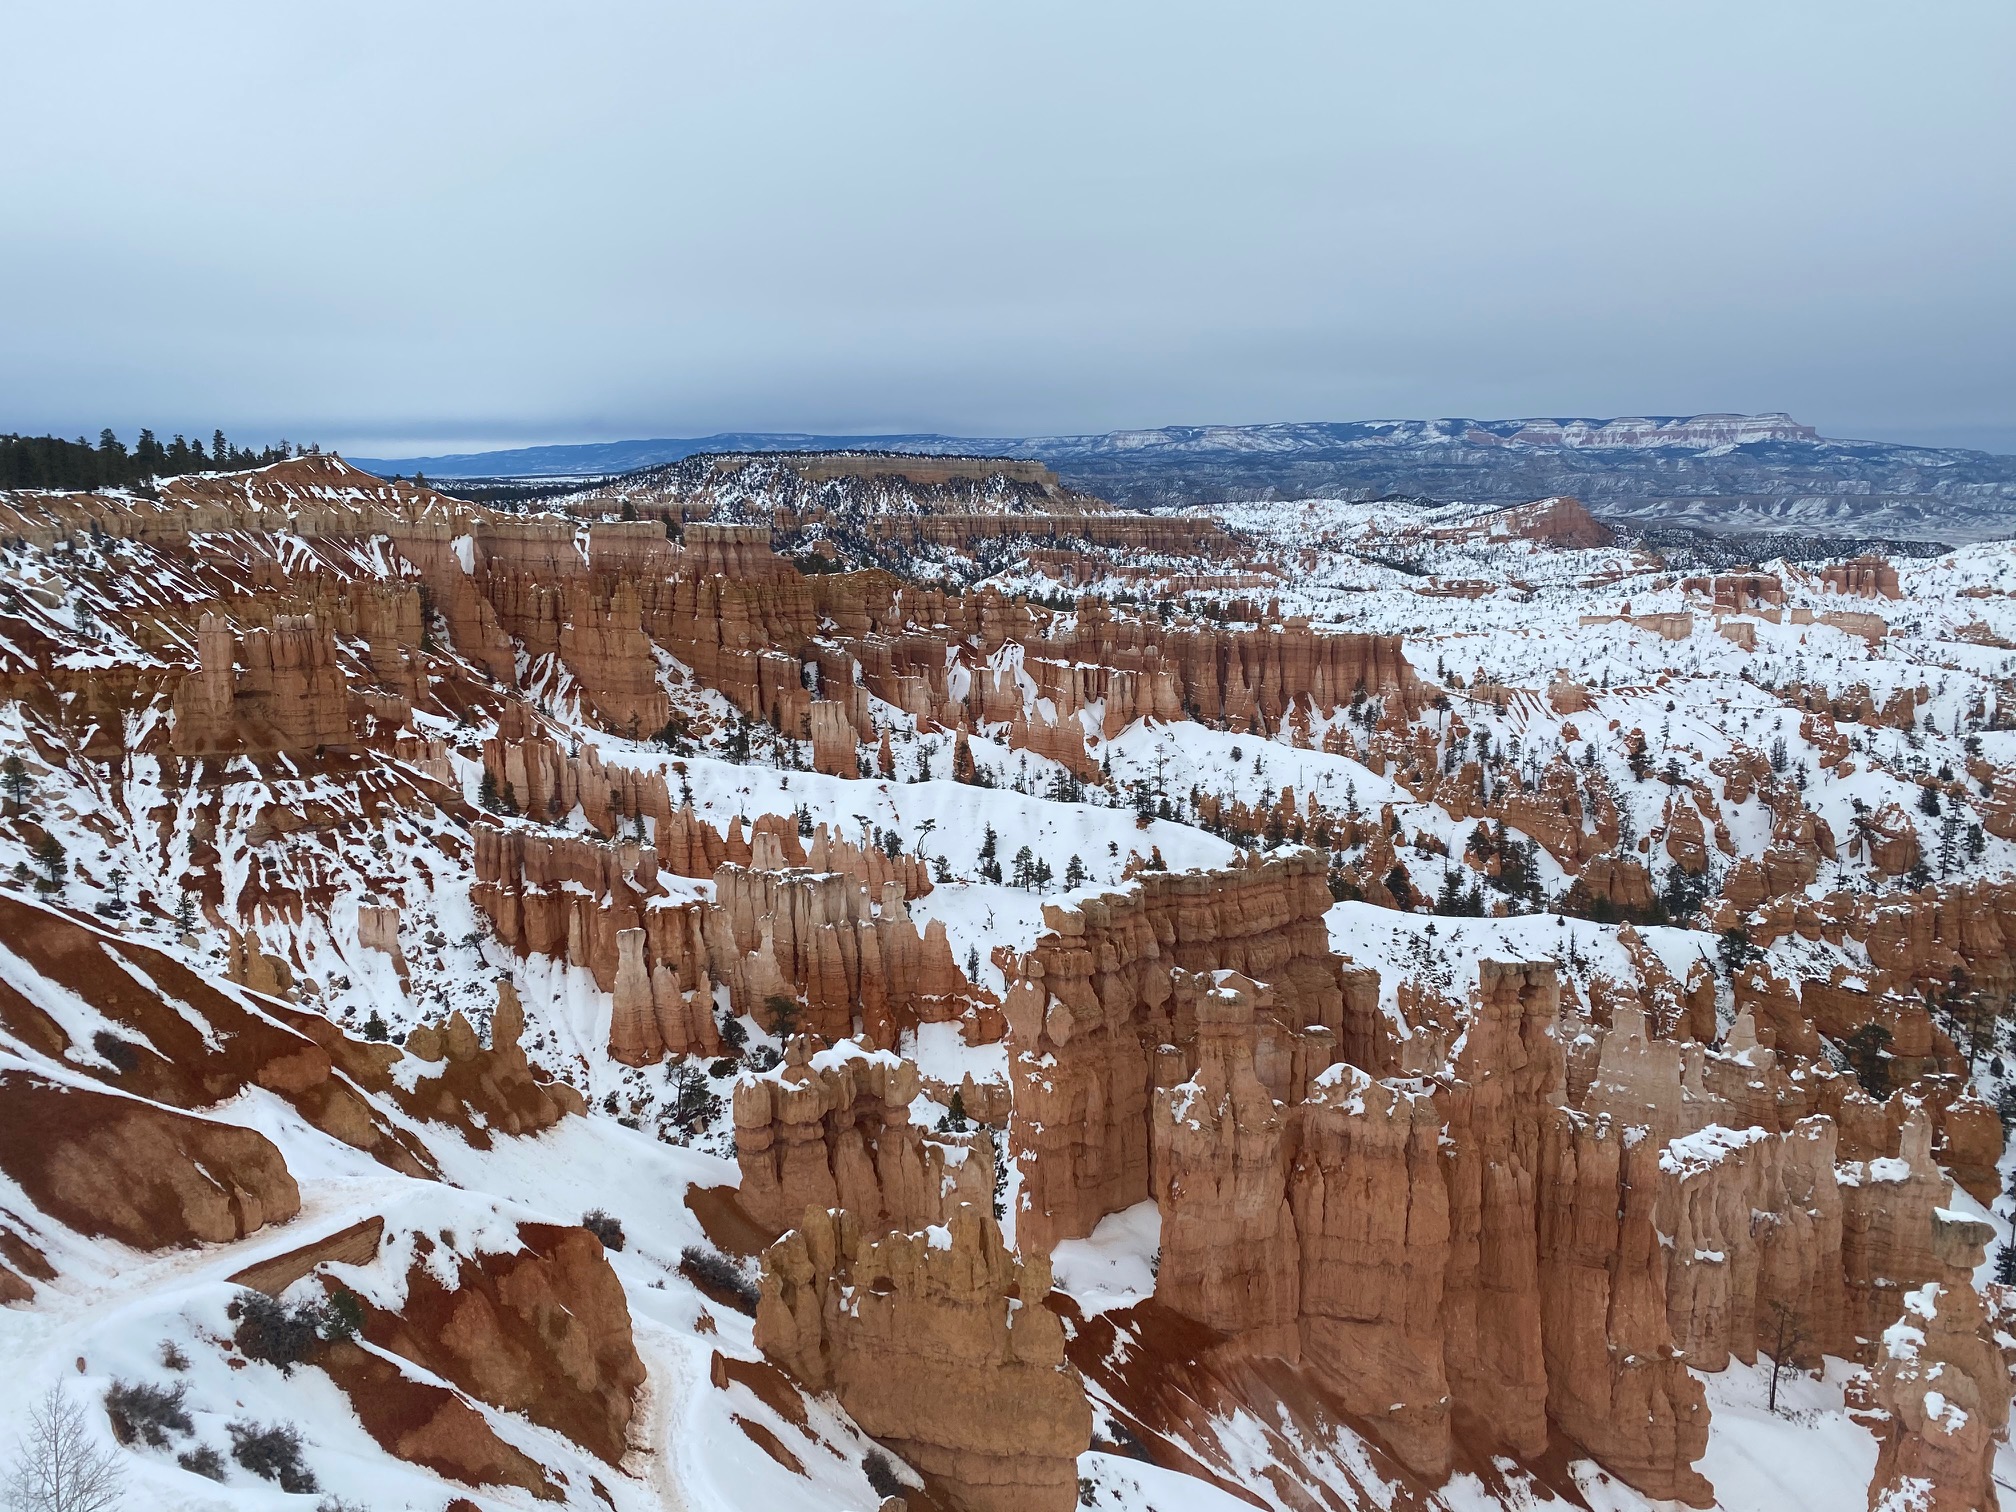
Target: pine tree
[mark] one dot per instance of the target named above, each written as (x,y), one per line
(1868,1051)
(14,780)
(1074,872)
(51,860)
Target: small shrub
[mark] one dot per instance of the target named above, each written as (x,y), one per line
(337,1504)
(342,1317)
(203,1461)
(734,1034)
(276,1334)
(881,1473)
(172,1355)
(725,1066)
(716,1274)
(272,1454)
(604,1227)
(272,1332)
(119,1052)
(147,1413)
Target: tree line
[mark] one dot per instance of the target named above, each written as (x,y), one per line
(52,462)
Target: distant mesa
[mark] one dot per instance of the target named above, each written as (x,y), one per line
(1725,472)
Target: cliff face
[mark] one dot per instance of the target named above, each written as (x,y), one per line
(938,1344)
(1087,1004)
(833,1130)
(141,1174)
(543,1330)
(289,698)
(1938,1402)
(1475,1249)
(1371,1214)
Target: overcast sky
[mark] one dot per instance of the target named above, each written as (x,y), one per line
(411,227)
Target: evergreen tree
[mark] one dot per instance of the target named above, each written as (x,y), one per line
(1868,1050)
(14,780)
(52,860)
(1024,870)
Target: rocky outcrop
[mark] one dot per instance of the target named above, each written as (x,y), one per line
(1087,1005)
(821,941)
(1371,1215)
(938,1344)
(290,697)
(1506,1079)
(1890,1209)
(1614,1380)
(150,1177)
(832,1129)
(1229,1253)
(1754,1226)
(543,1329)
(1863,576)
(1938,1402)
(475,1087)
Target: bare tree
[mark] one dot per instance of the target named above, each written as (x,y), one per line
(1791,1344)
(58,1466)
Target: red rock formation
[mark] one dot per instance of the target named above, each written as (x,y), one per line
(1086,1005)
(1229,1253)
(1613,1380)
(291,696)
(1505,1080)
(834,741)
(1371,1212)
(132,1171)
(833,1129)
(818,939)
(1738,592)
(543,1330)
(1941,1400)
(937,1344)
(1864,576)
(1889,1222)
(1754,1224)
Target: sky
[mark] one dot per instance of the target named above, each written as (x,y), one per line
(419,227)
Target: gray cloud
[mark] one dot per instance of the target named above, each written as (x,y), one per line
(399,227)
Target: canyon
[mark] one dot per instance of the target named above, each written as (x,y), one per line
(823,980)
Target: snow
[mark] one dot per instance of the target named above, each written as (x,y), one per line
(1114,1266)
(1693,1153)
(1808,1457)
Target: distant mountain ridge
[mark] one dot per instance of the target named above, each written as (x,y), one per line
(1719,471)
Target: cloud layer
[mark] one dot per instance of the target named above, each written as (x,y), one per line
(413,227)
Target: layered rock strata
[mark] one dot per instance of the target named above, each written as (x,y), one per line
(938,1344)
(832,1129)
